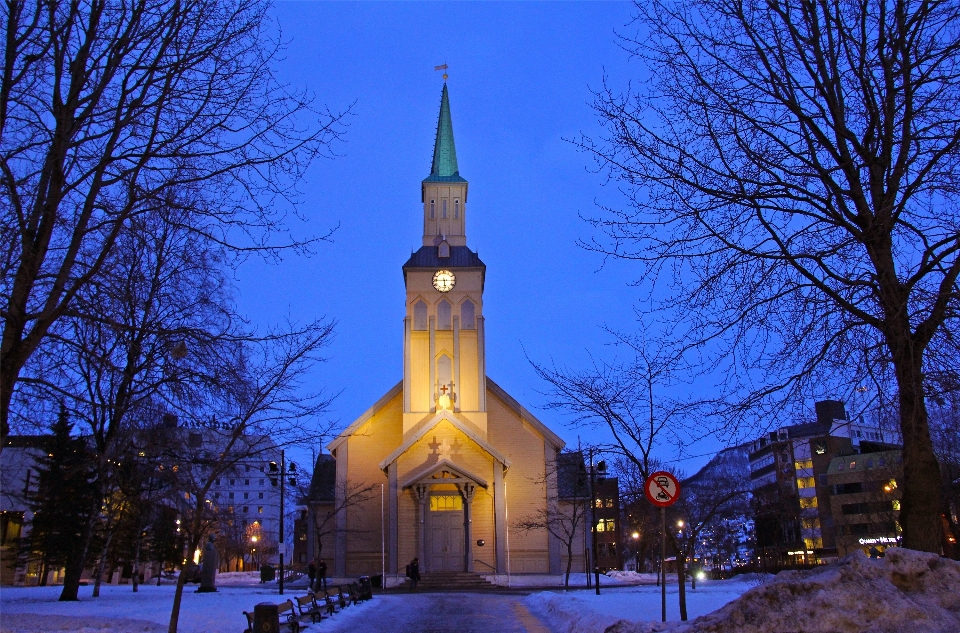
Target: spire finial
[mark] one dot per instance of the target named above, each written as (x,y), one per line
(443,67)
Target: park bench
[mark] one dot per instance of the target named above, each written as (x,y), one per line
(328,602)
(287,612)
(308,607)
(344,597)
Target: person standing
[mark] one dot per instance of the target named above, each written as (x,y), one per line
(413,573)
(322,574)
(311,573)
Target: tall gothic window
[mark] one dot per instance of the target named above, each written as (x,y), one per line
(456,209)
(444,373)
(444,212)
(433,209)
(444,320)
(420,315)
(468,315)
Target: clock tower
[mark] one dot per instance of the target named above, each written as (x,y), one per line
(443,355)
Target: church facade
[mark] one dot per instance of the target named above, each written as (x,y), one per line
(457,457)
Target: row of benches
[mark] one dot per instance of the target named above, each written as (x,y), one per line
(314,605)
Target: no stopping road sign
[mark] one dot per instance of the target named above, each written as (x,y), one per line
(662,489)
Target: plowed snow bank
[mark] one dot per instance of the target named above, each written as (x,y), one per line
(905,591)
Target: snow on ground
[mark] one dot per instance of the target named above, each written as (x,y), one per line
(585,612)
(119,610)
(904,591)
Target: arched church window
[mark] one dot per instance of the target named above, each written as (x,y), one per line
(444,212)
(456,209)
(444,320)
(468,315)
(420,315)
(433,209)
(444,373)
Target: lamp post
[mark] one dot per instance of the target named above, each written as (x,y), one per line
(597,474)
(636,551)
(281,472)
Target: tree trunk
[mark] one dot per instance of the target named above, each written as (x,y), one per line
(920,503)
(566,579)
(135,581)
(682,580)
(74,569)
(102,565)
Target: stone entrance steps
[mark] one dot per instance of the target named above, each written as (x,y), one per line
(453,581)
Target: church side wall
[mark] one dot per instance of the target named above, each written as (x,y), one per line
(367,447)
(525,484)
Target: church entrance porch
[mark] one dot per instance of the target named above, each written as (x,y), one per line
(445,524)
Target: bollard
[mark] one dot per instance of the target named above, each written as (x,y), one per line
(266,618)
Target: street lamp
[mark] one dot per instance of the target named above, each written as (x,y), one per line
(279,473)
(636,551)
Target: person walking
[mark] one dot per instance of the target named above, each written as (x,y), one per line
(413,573)
(311,573)
(322,574)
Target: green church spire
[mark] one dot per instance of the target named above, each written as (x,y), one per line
(444,167)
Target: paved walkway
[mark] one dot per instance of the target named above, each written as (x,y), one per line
(438,613)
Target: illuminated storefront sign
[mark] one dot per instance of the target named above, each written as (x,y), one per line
(878,540)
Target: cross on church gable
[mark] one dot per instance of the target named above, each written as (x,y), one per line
(444,389)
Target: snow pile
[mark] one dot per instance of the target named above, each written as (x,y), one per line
(585,612)
(632,577)
(905,591)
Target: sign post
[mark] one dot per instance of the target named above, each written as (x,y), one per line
(663,490)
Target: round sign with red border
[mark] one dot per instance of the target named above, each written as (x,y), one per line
(662,489)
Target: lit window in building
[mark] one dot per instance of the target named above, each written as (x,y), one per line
(806,482)
(895,505)
(804,463)
(808,502)
(609,503)
(260,509)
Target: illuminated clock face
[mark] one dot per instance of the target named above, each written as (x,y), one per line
(444,280)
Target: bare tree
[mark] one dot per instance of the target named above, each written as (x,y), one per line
(626,398)
(111,110)
(792,169)
(258,397)
(703,502)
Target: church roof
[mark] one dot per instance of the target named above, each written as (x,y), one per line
(460,257)
(444,166)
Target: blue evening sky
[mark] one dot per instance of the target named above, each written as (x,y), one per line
(520,81)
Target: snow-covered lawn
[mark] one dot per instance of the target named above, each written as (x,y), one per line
(119,610)
(585,612)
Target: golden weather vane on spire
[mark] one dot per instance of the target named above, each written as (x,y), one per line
(442,67)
